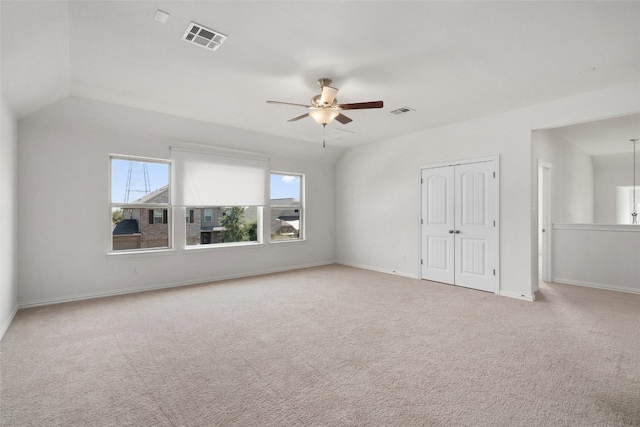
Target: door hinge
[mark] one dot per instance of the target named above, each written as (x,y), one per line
(421,262)
(494,174)
(421,221)
(494,271)
(494,223)
(421,181)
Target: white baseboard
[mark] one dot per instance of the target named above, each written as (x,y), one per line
(379,270)
(596,285)
(5,325)
(529,298)
(92,295)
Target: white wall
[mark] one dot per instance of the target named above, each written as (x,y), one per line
(8,217)
(611,172)
(378,187)
(571,177)
(63,183)
(599,256)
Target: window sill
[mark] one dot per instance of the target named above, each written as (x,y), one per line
(141,253)
(282,242)
(221,246)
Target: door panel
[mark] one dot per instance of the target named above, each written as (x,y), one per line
(437,211)
(474,251)
(475,228)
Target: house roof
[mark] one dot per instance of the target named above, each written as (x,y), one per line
(158,195)
(447,61)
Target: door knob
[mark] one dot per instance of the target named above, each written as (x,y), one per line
(451,231)
(457,231)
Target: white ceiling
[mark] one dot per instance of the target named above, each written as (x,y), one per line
(449,61)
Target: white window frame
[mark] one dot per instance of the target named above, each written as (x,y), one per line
(300,207)
(146,206)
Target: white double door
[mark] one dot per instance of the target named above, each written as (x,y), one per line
(459,225)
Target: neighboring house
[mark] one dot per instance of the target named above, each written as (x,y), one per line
(148,228)
(285,220)
(143,228)
(210,223)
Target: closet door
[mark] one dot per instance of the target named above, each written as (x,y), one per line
(458,239)
(475,226)
(437,239)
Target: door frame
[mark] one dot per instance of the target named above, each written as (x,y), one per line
(496,160)
(547,258)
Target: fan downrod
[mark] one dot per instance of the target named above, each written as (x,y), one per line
(324,82)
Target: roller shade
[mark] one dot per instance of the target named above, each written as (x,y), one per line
(208,179)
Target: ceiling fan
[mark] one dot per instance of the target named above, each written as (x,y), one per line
(324,107)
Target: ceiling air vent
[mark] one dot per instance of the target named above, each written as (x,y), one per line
(204,37)
(402,110)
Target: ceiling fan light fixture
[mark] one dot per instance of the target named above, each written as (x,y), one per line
(324,116)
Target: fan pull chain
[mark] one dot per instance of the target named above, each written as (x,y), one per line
(324,134)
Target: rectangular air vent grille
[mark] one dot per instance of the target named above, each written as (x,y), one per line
(402,110)
(205,37)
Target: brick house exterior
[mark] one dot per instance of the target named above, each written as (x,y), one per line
(149,228)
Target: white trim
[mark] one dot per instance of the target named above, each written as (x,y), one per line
(137,159)
(542,163)
(222,151)
(379,270)
(7,323)
(222,246)
(460,162)
(302,207)
(93,295)
(548,267)
(285,241)
(598,227)
(596,285)
(123,205)
(141,252)
(529,298)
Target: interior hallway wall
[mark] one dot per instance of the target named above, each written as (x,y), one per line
(8,216)
(611,172)
(572,177)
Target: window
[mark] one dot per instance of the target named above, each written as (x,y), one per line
(286,206)
(224,224)
(208,215)
(158,216)
(225,192)
(190,216)
(139,204)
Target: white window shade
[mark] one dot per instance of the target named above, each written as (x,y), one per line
(207,179)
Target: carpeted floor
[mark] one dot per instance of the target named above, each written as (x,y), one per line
(326,346)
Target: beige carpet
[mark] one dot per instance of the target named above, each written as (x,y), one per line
(327,346)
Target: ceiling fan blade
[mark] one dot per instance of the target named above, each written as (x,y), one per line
(295,119)
(328,95)
(343,119)
(287,103)
(360,105)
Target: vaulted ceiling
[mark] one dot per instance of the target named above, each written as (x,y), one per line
(446,61)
